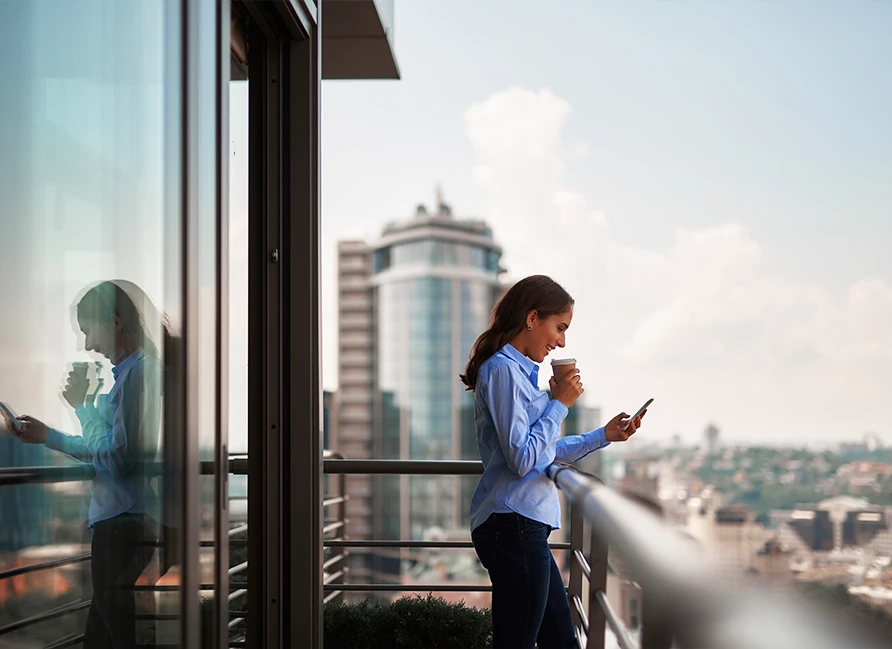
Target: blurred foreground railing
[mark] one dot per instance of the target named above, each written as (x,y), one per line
(686,604)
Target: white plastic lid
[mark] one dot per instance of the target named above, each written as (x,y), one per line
(564,361)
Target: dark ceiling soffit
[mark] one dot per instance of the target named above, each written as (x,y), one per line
(355,43)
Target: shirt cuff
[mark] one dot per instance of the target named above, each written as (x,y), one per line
(559,410)
(597,438)
(55,440)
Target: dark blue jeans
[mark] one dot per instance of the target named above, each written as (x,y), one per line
(529,602)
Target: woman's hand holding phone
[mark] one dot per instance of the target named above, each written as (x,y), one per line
(28,430)
(621,428)
(568,389)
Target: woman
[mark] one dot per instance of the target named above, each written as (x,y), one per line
(120,439)
(515,506)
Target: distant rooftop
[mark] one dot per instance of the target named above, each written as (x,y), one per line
(441,216)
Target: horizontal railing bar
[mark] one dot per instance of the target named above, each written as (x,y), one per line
(13,476)
(45,565)
(583,563)
(237,530)
(66,642)
(404,467)
(335,559)
(237,620)
(451,588)
(239,568)
(328,502)
(43,617)
(173,589)
(337,575)
(331,596)
(237,594)
(344,543)
(619,629)
(580,609)
(233,543)
(331,527)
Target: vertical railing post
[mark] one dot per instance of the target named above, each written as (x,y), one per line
(577,537)
(597,620)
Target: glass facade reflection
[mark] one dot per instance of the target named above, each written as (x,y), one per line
(435,281)
(95,474)
(117,513)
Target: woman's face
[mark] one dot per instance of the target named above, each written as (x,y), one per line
(547,334)
(99,337)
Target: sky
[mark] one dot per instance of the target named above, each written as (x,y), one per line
(710,181)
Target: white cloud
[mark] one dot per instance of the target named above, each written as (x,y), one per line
(708,326)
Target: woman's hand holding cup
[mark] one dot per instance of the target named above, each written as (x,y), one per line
(75,391)
(568,389)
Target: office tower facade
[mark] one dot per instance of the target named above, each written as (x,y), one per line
(411,306)
(351,431)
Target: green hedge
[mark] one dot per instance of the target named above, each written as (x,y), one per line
(408,623)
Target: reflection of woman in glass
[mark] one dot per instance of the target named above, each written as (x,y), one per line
(120,440)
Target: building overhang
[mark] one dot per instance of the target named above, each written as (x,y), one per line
(357,40)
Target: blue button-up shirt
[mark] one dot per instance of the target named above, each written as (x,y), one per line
(120,438)
(518,436)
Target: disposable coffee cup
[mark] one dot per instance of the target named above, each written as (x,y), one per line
(80,369)
(560,367)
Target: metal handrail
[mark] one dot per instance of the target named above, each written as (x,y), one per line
(618,628)
(703,609)
(436,545)
(43,617)
(423,588)
(16,476)
(404,467)
(45,565)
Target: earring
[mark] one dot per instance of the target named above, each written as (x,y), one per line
(530,327)
(119,330)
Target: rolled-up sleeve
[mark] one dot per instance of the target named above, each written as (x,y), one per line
(525,444)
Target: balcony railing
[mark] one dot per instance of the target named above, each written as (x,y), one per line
(685,603)
(17,476)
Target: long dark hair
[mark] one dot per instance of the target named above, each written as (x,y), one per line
(534,293)
(139,317)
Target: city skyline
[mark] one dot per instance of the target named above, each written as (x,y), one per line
(706,182)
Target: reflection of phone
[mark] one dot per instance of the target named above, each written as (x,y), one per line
(640,410)
(14,418)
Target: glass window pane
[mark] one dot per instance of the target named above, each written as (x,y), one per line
(89,174)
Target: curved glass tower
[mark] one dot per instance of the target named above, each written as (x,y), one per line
(434,282)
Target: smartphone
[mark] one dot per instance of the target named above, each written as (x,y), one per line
(14,418)
(640,410)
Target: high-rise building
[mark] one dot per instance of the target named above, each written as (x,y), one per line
(411,306)
(711,435)
(351,425)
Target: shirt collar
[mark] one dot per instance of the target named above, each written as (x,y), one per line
(529,368)
(127,363)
